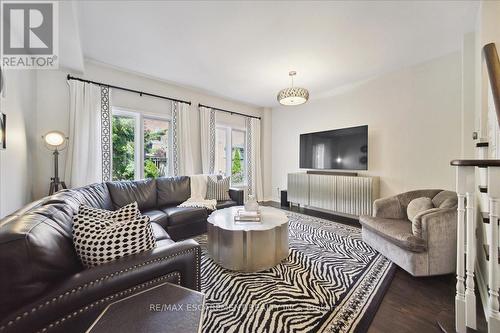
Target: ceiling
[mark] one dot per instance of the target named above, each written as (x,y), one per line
(244,50)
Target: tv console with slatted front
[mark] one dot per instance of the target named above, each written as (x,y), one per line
(341,193)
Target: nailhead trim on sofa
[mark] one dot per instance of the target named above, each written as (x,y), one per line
(79,288)
(109,298)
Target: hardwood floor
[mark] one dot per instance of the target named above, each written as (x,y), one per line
(410,305)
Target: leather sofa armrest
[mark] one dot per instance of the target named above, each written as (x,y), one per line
(389,208)
(237,195)
(76,302)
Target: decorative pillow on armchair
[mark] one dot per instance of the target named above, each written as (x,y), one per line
(101,236)
(418,205)
(218,189)
(414,210)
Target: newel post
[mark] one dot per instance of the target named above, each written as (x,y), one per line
(465,188)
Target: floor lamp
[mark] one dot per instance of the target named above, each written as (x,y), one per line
(55,141)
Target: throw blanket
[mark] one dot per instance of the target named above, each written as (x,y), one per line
(205,203)
(198,193)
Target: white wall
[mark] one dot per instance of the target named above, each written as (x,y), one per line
(53,103)
(414,119)
(469,123)
(16,162)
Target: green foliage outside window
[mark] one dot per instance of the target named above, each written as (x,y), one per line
(151,170)
(123,148)
(236,167)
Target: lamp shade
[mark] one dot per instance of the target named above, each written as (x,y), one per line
(293,96)
(54,138)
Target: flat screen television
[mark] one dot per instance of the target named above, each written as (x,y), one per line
(344,149)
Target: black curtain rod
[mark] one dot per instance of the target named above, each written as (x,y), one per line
(127,89)
(227,111)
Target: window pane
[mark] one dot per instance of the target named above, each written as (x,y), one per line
(156,147)
(220,151)
(238,157)
(123,147)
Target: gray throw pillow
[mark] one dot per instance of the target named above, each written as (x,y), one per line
(418,205)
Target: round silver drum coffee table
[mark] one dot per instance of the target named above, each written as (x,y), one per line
(248,246)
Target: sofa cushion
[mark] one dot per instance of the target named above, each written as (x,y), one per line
(157,216)
(187,230)
(173,190)
(96,195)
(159,232)
(72,199)
(181,215)
(417,206)
(226,204)
(396,231)
(125,192)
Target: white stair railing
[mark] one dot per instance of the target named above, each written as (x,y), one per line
(467,247)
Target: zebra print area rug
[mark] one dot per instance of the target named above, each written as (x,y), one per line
(331,282)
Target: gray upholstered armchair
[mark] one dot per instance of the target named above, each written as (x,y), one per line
(422,247)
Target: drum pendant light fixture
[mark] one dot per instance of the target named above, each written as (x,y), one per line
(293,95)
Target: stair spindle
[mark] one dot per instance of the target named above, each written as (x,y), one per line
(493,283)
(470,295)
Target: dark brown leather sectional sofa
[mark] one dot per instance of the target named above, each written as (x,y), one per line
(43,286)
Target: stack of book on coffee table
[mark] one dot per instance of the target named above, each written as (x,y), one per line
(247,216)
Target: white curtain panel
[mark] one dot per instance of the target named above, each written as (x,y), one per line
(88,158)
(253,153)
(207,139)
(182,152)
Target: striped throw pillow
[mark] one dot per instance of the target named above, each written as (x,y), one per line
(218,189)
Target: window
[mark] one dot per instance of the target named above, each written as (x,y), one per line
(123,147)
(230,154)
(140,146)
(237,156)
(156,147)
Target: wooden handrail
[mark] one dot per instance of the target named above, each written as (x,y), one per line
(493,66)
(476,163)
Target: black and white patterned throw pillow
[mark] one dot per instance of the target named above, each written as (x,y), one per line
(218,189)
(101,236)
(125,213)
